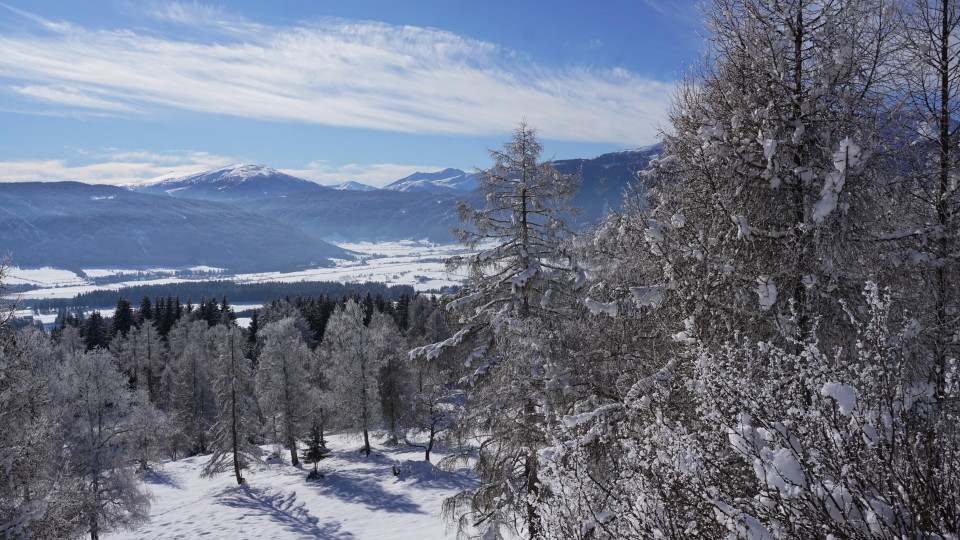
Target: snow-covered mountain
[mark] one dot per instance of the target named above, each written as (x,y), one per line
(445,181)
(240,181)
(353,186)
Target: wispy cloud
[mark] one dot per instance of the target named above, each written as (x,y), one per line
(332,72)
(110,166)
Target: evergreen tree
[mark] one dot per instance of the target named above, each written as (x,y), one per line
(123,318)
(316,451)
(96,332)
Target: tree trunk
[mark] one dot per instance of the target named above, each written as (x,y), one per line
(292,444)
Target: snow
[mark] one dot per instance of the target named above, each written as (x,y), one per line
(767,292)
(521,279)
(647,296)
(597,308)
(44,277)
(418,264)
(844,395)
(358,498)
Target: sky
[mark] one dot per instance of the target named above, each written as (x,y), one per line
(118,91)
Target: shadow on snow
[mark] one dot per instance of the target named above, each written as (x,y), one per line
(360,485)
(283,509)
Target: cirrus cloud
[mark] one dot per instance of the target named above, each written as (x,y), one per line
(332,72)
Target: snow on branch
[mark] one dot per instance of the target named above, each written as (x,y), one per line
(597,308)
(767,292)
(647,296)
(463,300)
(433,350)
(520,280)
(639,390)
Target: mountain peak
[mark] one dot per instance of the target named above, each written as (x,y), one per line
(237,181)
(448,180)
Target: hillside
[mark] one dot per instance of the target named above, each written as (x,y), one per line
(74,225)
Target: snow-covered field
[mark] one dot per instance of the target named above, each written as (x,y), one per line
(359,498)
(419,264)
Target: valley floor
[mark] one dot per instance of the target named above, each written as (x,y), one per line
(359,498)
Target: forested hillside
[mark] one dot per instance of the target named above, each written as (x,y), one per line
(762,344)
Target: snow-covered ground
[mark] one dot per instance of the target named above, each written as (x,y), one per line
(419,264)
(359,498)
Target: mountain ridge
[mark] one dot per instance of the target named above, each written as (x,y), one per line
(237,181)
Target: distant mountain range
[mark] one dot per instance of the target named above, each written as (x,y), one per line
(250,217)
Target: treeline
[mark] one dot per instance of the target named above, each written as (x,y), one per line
(237,292)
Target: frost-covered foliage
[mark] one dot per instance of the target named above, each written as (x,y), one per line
(511,312)
(752,440)
(237,423)
(352,363)
(767,176)
(282,382)
(97,423)
(37,496)
(188,381)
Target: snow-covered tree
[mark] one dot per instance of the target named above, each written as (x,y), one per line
(98,409)
(353,364)
(923,223)
(282,382)
(767,176)
(149,432)
(236,419)
(393,379)
(189,381)
(38,496)
(508,308)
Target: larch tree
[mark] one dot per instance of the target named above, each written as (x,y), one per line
(928,80)
(97,422)
(236,418)
(353,365)
(282,382)
(393,379)
(39,497)
(768,175)
(506,308)
(189,392)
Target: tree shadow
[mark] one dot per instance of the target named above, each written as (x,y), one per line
(284,510)
(360,488)
(160,478)
(424,474)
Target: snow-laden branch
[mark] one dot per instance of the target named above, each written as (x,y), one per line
(433,350)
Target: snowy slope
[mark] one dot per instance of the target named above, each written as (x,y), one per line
(359,498)
(240,181)
(353,186)
(445,181)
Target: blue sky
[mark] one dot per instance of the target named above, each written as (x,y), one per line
(365,90)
